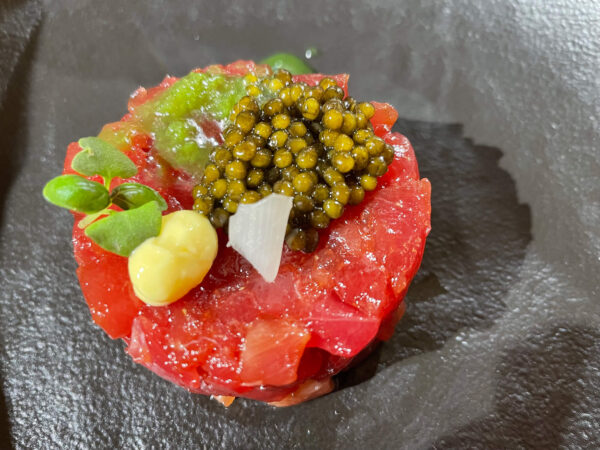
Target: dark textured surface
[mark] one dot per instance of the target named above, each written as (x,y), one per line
(500,345)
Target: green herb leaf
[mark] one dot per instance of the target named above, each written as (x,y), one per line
(134,195)
(122,232)
(76,193)
(289,62)
(98,157)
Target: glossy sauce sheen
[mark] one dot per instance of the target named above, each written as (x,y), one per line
(235,334)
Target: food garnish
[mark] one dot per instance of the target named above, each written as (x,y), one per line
(257,230)
(164,268)
(289,62)
(118,232)
(312,143)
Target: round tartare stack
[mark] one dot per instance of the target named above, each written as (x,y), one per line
(235,334)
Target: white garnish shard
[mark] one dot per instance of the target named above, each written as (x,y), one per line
(257,231)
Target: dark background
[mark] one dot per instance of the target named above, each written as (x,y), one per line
(500,346)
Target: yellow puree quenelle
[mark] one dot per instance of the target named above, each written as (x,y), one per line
(164,268)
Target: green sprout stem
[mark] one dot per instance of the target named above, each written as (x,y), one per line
(92,217)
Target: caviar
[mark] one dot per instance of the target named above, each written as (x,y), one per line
(306,142)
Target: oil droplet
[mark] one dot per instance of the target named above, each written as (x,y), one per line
(311,52)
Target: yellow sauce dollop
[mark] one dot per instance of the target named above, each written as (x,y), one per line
(164,268)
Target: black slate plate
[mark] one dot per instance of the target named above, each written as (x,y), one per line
(500,345)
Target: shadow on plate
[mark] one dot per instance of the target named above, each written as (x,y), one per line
(474,252)
(540,384)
